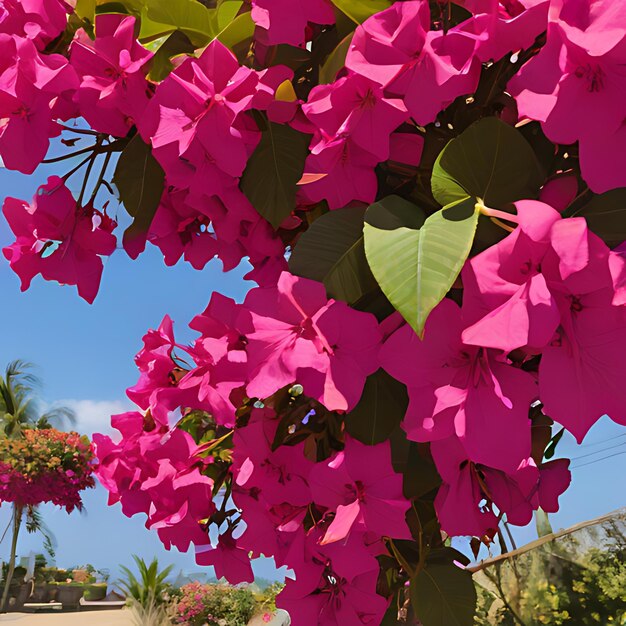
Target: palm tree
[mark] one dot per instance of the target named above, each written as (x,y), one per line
(19,411)
(19,402)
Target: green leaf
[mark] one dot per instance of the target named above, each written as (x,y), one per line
(490,160)
(331,251)
(273,171)
(86,9)
(164,49)
(359,10)
(554,442)
(443,595)
(240,29)
(140,181)
(606,215)
(416,268)
(336,61)
(380,409)
(225,12)
(189,16)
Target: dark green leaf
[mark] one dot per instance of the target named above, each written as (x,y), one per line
(425,262)
(169,46)
(554,442)
(273,171)
(331,251)
(420,475)
(140,180)
(443,595)
(490,160)
(335,61)
(395,212)
(359,10)
(380,410)
(606,215)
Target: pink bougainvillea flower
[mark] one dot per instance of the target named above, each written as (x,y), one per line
(354,107)
(281,474)
(158,388)
(406,148)
(58,239)
(153,471)
(31,87)
(285,21)
(113,92)
(465,499)
(194,121)
(326,593)
(229,560)
(457,388)
(578,73)
(361,487)
(582,370)
(560,191)
(347,174)
(617,265)
(429,69)
(503,27)
(39,20)
(507,303)
(301,336)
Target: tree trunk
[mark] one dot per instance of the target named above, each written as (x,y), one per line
(17,523)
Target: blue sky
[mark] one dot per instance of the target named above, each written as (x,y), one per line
(85,356)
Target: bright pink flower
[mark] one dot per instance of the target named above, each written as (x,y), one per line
(348,174)
(582,370)
(281,474)
(194,121)
(361,487)
(457,388)
(113,92)
(321,596)
(157,389)
(229,560)
(464,501)
(507,303)
(285,21)
(354,107)
(155,472)
(32,87)
(575,87)
(502,29)
(429,69)
(39,20)
(301,336)
(58,239)
(560,191)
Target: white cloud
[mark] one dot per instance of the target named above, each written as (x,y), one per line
(94,416)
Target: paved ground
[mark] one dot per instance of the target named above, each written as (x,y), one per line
(84,618)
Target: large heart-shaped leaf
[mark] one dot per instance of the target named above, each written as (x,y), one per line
(490,160)
(380,410)
(332,251)
(443,595)
(273,171)
(241,28)
(359,10)
(140,180)
(416,268)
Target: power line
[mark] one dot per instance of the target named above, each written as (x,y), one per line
(610,456)
(583,456)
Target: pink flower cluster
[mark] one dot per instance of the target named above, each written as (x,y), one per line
(45,466)
(157,471)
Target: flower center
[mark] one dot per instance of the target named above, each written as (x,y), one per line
(593,75)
